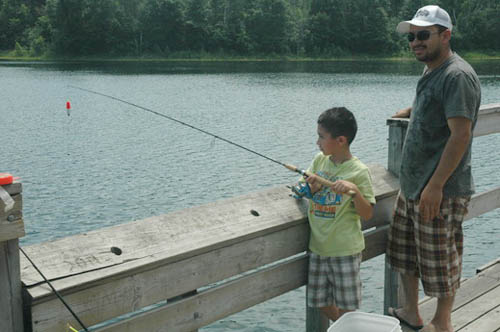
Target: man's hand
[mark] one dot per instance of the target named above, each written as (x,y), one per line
(432,195)
(430,202)
(404,113)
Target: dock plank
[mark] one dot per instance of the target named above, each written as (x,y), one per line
(476,302)
(214,304)
(470,289)
(486,323)
(475,309)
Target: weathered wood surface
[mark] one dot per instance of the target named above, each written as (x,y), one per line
(11,313)
(216,303)
(169,255)
(488,121)
(11,228)
(484,202)
(397,134)
(11,222)
(477,303)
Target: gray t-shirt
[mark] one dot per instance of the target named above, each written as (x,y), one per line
(451,90)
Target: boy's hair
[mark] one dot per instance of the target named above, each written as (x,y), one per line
(339,121)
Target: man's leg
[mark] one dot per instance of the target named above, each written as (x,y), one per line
(409,312)
(442,317)
(402,254)
(452,248)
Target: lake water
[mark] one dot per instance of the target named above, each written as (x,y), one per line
(109,163)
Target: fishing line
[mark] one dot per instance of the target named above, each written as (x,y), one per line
(181,123)
(55,291)
(292,168)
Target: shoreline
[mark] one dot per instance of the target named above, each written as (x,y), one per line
(7,58)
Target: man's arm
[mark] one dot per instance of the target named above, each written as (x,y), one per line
(404,113)
(432,195)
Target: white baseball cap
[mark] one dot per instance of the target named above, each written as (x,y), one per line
(427,16)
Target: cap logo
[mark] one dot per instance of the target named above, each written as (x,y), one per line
(422,12)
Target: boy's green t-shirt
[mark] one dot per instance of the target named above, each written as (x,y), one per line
(335,224)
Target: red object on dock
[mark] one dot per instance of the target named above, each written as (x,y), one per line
(6,178)
(68,105)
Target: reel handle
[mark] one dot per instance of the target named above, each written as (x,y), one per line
(321,180)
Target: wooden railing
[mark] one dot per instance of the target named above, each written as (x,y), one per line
(11,228)
(187,269)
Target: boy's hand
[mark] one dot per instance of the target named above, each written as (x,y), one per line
(313,183)
(343,187)
(363,206)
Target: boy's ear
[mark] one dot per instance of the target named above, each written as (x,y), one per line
(342,139)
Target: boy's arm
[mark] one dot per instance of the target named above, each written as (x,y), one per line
(362,205)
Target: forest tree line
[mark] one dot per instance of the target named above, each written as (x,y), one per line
(183,28)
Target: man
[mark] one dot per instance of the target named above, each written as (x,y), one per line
(425,237)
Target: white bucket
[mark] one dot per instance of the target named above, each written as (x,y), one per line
(358,321)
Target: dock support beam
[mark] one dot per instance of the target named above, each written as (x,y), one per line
(11,228)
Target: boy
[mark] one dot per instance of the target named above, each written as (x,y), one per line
(336,239)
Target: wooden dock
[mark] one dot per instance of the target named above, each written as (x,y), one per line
(477,302)
(184,270)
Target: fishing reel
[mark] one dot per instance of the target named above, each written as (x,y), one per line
(301,190)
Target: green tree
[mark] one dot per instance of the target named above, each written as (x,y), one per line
(196,25)
(217,26)
(368,28)
(328,27)
(40,36)
(478,25)
(299,15)
(15,18)
(236,22)
(130,34)
(163,26)
(315,27)
(268,26)
(85,27)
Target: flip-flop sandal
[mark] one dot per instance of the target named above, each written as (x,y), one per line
(392,312)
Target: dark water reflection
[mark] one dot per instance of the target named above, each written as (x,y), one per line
(396,67)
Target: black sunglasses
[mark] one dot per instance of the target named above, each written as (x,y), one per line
(421,35)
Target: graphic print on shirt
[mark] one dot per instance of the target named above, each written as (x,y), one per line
(324,201)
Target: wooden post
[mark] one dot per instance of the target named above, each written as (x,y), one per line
(315,320)
(11,228)
(393,295)
(397,134)
(184,296)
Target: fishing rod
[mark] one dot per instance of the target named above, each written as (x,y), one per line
(292,168)
(55,291)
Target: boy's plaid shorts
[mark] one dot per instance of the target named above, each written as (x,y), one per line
(334,281)
(432,250)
